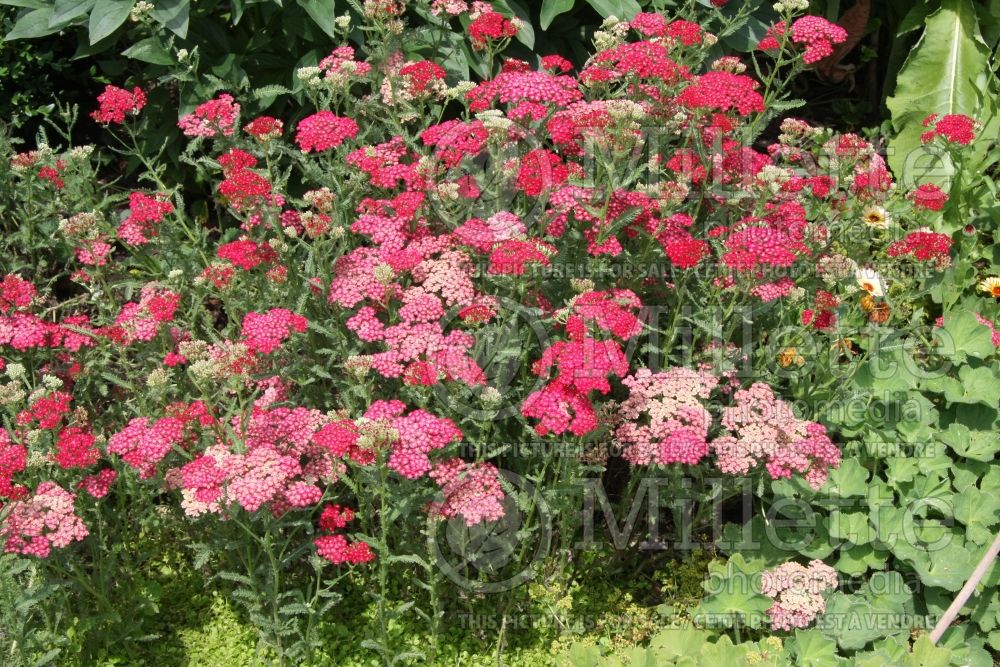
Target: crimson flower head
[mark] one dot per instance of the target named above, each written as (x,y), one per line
(955,128)
(815,33)
(324,130)
(556,63)
(723,91)
(264,128)
(15,293)
(928,196)
(489,27)
(116,102)
(818,36)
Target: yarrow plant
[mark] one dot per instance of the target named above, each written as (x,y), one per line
(419,310)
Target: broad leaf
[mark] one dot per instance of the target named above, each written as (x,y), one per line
(812,649)
(322,12)
(525,34)
(975,385)
(107,16)
(972,444)
(150,51)
(942,75)
(33,24)
(64,11)
(552,9)
(621,9)
(850,479)
(173,15)
(963,335)
(733,596)
(948,567)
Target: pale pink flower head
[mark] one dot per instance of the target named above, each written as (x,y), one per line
(664,419)
(798,592)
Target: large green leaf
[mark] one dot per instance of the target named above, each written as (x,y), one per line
(733,593)
(174,15)
(107,16)
(622,9)
(525,34)
(975,385)
(149,50)
(964,335)
(323,13)
(850,479)
(552,9)
(948,567)
(32,24)
(942,75)
(972,444)
(68,10)
(812,649)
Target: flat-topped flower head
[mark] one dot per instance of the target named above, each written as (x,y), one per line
(324,130)
(117,103)
(953,128)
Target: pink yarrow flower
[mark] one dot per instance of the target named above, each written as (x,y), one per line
(324,130)
(117,103)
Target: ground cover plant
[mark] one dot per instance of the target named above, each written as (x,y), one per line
(477,354)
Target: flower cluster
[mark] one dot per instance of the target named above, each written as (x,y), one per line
(954,128)
(797,592)
(472,491)
(45,521)
(324,130)
(264,333)
(335,547)
(415,435)
(664,419)
(489,26)
(117,103)
(218,116)
(818,36)
(763,430)
(145,213)
(923,245)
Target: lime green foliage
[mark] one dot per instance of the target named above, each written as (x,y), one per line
(698,648)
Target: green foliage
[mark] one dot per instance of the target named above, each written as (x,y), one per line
(32,75)
(946,73)
(906,515)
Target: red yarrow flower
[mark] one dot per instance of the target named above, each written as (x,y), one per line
(264,128)
(723,91)
(928,196)
(923,245)
(818,35)
(75,448)
(145,212)
(211,118)
(490,27)
(337,550)
(15,293)
(116,103)
(955,128)
(324,130)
